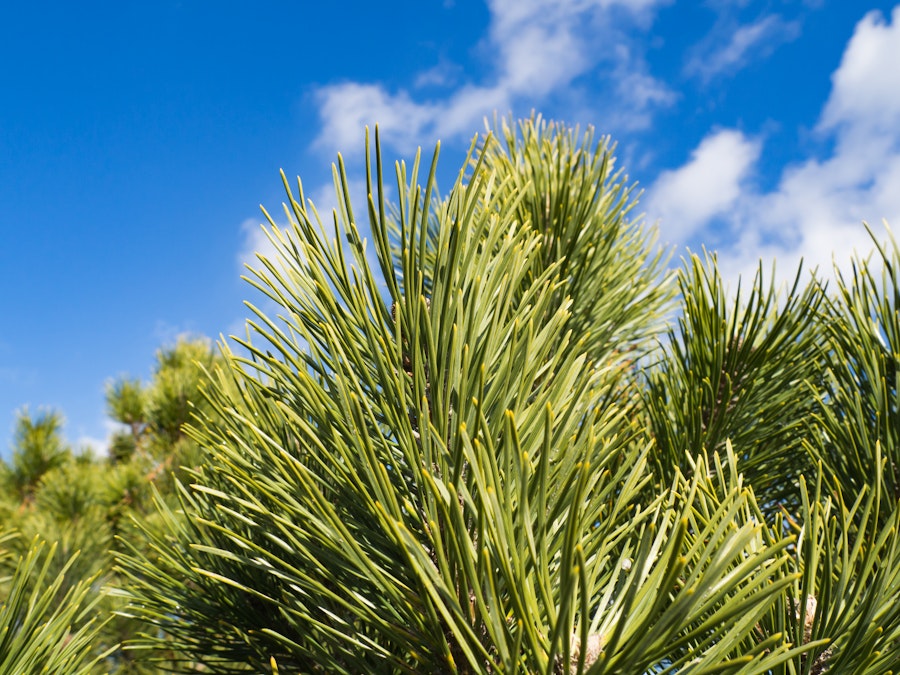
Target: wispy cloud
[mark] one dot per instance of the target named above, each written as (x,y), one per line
(166,333)
(17,377)
(538,48)
(637,93)
(817,208)
(730,47)
(255,242)
(98,445)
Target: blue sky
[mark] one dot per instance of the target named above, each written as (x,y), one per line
(138,139)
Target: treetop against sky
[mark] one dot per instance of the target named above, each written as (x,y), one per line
(136,143)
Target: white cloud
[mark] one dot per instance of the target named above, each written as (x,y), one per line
(865,97)
(168,333)
(346,109)
(638,94)
(444,74)
(728,49)
(99,446)
(539,47)
(708,185)
(255,242)
(817,209)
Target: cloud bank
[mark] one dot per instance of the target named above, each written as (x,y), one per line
(538,50)
(817,208)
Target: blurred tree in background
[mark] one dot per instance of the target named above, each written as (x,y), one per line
(89,506)
(38,447)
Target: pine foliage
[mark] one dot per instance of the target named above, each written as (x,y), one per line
(469,449)
(488,432)
(47,623)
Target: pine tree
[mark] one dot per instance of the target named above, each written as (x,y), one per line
(85,507)
(48,621)
(38,447)
(488,432)
(475,451)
